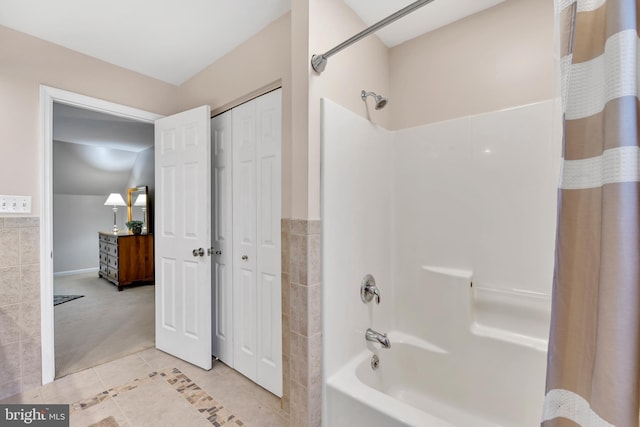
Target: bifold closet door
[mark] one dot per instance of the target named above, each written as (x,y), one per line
(222,279)
(257,307)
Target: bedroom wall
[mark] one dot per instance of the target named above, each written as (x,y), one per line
(83,177)
(79,211)
(77,220)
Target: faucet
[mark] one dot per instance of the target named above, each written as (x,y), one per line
(369,290)
(374,336)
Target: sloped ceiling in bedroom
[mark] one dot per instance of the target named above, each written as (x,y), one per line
(94,153)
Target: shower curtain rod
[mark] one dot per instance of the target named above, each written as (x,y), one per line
(319,62)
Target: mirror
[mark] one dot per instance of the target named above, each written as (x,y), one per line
(138,206)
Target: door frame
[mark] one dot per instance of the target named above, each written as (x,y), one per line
(49,95)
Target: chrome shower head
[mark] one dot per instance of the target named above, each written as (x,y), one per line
(380,100)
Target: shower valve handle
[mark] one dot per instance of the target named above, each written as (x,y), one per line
(369,290)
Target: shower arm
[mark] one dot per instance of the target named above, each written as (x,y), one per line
(319,62)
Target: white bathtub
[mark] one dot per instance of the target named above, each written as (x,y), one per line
(483,383)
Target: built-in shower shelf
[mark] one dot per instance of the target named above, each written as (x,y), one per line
(512,315)
(451,306)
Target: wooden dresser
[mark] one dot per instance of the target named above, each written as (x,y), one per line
(126,258)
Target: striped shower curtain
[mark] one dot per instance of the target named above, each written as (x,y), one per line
(594,346)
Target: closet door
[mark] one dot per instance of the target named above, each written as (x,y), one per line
(222,279)
(244,239)
(257,214)
(268,268)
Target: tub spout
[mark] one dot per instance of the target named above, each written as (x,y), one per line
(374,336)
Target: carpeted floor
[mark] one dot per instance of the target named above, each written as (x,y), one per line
(102,326)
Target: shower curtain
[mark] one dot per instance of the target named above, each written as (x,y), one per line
(594,345)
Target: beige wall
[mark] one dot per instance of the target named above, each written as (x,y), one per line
(28,62)
(496,59)
(364,65)
(261,60)
(499,58)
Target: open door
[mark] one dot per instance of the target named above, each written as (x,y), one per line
(183,235)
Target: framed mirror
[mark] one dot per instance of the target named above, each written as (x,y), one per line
(138,206)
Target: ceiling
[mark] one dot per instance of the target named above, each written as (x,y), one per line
(171,42)
(429,17)
(100,148)
(79,126)
(174,40)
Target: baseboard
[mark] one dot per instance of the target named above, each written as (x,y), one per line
(69,273)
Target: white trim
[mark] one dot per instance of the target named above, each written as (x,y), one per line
(49,95)
(609,76)
(559,403)
(614,165)
(72,272)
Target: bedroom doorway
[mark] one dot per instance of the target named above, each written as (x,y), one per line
(94,155)
(112,320)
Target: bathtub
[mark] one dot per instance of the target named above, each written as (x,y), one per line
(418,384)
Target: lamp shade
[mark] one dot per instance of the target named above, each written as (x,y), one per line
(141,200)
(115,199)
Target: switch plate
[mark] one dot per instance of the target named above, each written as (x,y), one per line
(15,204)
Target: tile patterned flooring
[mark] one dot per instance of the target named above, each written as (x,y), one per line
(152,388)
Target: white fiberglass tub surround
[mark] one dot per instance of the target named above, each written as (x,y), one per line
(467,380)
(429,211)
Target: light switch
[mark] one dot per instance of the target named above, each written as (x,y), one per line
(15,204)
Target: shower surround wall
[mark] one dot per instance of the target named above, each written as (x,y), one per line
(20,358)
(476,193)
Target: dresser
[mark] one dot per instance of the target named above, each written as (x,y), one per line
(126,258)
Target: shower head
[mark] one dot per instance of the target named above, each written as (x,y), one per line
(380,100)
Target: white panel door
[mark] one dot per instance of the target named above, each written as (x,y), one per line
(244,239)
(257,306)
(182,225)
(222,245)
(268,268)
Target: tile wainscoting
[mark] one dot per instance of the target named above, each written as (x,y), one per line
(20,351)
(301,321)
(20,354)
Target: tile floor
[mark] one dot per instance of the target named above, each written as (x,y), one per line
(125,390)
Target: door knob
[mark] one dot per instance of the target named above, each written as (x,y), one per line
(245,258)
(198,252)
(218,252)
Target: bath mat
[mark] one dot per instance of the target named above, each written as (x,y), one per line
(61,299)
(107,422)
(200,400)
